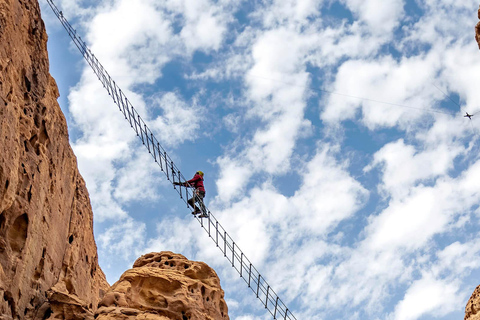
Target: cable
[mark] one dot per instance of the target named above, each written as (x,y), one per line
(446,95)
(168,167)
(356,97)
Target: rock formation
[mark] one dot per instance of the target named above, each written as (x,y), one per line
(165,286)
(477,30)
(472,310)
(48,256)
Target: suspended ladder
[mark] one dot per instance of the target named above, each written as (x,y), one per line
(210,224)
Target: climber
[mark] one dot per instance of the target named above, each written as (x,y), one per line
(469,116)
(198,194)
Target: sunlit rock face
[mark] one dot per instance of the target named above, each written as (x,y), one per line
(48,257)
(472,310)
(165,286)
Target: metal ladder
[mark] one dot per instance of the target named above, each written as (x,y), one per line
(210,224)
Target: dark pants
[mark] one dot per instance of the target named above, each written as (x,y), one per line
(197,197)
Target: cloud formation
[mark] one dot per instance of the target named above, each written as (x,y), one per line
(332,133)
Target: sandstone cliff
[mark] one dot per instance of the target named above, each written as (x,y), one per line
(48,257)
(165,286)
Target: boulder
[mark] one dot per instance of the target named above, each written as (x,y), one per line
(165,286)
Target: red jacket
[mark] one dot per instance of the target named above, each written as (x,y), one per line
(197,182)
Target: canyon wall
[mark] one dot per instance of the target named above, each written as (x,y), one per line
(48,256)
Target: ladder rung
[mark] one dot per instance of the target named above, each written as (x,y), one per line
(136,122)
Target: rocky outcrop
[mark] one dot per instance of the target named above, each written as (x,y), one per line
(165,286)
(472,310)
(477,30)
(48,257)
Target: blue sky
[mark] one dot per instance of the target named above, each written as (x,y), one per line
(332,151)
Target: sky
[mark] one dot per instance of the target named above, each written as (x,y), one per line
(331,133)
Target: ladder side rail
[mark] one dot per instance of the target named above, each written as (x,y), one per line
(265,291)
(106,78)
(116,93)
(131,114)
(226,244)
(80,44)
(126,105)
(100,71)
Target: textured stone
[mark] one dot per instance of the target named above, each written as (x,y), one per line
(473,306)
(48,257)
(165,286)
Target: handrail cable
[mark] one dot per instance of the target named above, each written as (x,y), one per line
(255,281)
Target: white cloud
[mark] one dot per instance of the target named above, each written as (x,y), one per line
(233,178)
(134,52)
(414,219)
(327,244)
(404,166)
(283,12)
(460,257)
(178,121)
(267,224)
(406,87)
(124,238)
(381,16)
(328,194)
(175,235)
(278,105)
(139,168)
(204,25)
(428,296)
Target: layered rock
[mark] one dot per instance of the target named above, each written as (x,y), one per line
(165,286)
(48,256)
(477,30)
(472,310)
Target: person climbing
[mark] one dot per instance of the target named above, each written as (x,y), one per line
(198,194)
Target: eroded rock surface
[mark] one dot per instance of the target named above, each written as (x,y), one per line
(165,286)
(472,310)
(48,257)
